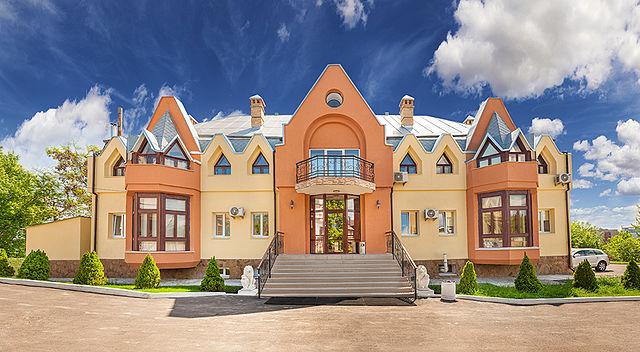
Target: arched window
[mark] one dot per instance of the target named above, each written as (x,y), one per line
(176,157)
(408,165)
(222,166)
(260,165)
(444,165)
(543,167)
(118,167)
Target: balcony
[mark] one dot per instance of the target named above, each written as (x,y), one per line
(346,174)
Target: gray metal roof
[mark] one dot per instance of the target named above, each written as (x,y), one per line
(164,131)
(423,126)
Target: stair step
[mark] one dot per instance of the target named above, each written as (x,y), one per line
(337,279)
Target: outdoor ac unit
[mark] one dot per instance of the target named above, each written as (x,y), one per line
(431,214)
(236,212)
(563,179)
(400,177)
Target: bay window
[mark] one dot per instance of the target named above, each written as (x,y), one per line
(162,223)
(505,219)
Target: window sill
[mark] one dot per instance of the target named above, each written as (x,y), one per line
(546,233)
(260,237)
(506,248)
(446,234)
(220,237)
(118,237)
(409,235)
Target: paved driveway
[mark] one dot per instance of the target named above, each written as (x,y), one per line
(38,319)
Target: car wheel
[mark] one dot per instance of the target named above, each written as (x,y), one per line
(602,266)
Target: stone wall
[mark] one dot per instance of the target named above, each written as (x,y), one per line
(545,266)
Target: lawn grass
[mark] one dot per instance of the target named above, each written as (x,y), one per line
(166,289)
(622,263)
(16,263)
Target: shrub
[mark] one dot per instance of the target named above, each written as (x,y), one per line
(6,270)
(148,274)
(623,247)
(631,277)
(35,266)
(212,281)
(527,281)
(90,271)
(585,235)
(468,282)
(584,277)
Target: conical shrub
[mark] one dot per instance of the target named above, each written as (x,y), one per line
(35,266)
(148,274)
(527,281)
(631,277)
(468,280)
(584,277)
(212,281)
(90,271)
(6,270)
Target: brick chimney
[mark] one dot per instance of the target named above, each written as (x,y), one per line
(120,120)
(406,111)
(257,110)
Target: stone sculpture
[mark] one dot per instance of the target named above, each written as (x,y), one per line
(422,282)
(248,282)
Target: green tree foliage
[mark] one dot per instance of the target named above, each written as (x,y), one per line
(212,281)
(584,277)
(25,199)
(6,270)
(585,235)
(35,266)
(527,281)
(468,281)
(90,271)
(148,274)
(631,277)
(623,247)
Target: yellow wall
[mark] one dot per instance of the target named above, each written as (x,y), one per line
(62,240)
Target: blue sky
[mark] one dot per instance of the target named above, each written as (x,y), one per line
(66,65)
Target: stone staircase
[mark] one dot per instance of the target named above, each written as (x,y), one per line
(337,275)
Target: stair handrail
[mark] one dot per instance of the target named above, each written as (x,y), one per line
(263,271)
(401,255)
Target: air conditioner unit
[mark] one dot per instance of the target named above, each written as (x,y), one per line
(563,179)
(236,212)
(431,214)
(400,177)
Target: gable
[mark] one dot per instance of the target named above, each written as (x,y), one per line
(492,117)
(169,120)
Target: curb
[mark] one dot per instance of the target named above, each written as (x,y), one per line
(548,301)
(107,290)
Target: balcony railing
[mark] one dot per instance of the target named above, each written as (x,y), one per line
(161,159)
(334,166)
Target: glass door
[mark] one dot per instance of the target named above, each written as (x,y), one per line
(335,223)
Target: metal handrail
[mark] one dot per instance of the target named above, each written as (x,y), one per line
(263,271)
(401,255)
(334,166)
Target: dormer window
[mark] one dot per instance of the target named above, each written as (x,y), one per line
(147,155)
(489,156)
(518,153)
(444,165)
(175,157)
(260,165)
(408,165)
(222,167)
(543,167)
(118,167)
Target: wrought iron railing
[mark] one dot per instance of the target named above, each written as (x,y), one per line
(263,272)
(401,255)
(334,166)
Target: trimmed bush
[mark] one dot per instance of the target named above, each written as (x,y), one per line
(584,277)
(35,266)
(6,270)
(527,281)
(631,277)
(90,271)
(148,274)
(212,281)
(468,281)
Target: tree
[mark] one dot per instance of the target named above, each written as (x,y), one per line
(631,277)
(468,281)
(623,247)
(585,235)
(6,270)
(636,225)
(212,281)
(584,277)
(148,274)
(70,174)
(90,271)
(35,266)
(527,281)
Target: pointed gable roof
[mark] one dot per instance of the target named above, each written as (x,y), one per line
(164,131)
(499,130)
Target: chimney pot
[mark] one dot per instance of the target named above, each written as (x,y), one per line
(406,111)
(120,112)
(257,106)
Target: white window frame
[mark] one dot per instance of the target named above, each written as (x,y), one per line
(113,225)
(551,220)
(262,214)
(417,217)
(224,272)
(225,217)
(446,225)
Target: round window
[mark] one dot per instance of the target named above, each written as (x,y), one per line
(334,99)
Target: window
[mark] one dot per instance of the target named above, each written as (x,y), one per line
(543,167)
(545,217)
(505,219)
(444,165)
(489,156)
(222,166)
(175,157)
(146,155)
(224,272)
(117,226)
(221,225)
(408,165)
(334,99)
(409,223)
(446,224)
(260,165)
(260,224)
(118,167)
(162,223)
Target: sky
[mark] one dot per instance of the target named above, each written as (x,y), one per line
(565,68)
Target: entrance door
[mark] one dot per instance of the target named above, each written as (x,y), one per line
(335,223)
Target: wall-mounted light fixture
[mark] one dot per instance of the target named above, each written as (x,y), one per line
(291,204)
(378,204)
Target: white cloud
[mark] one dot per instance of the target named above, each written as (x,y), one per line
(221,114)
(522,48)
(352,12)
(84,122)
(540,126)
(604,216)
(582,184)
(283,33)
(630,187)
(605,193)
(166,90)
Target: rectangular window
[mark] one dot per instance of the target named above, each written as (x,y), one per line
(505,219)
(545,217)
(162,223)
(221,225)
(409,223)
(446,224)
(117,226)
(260,224)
